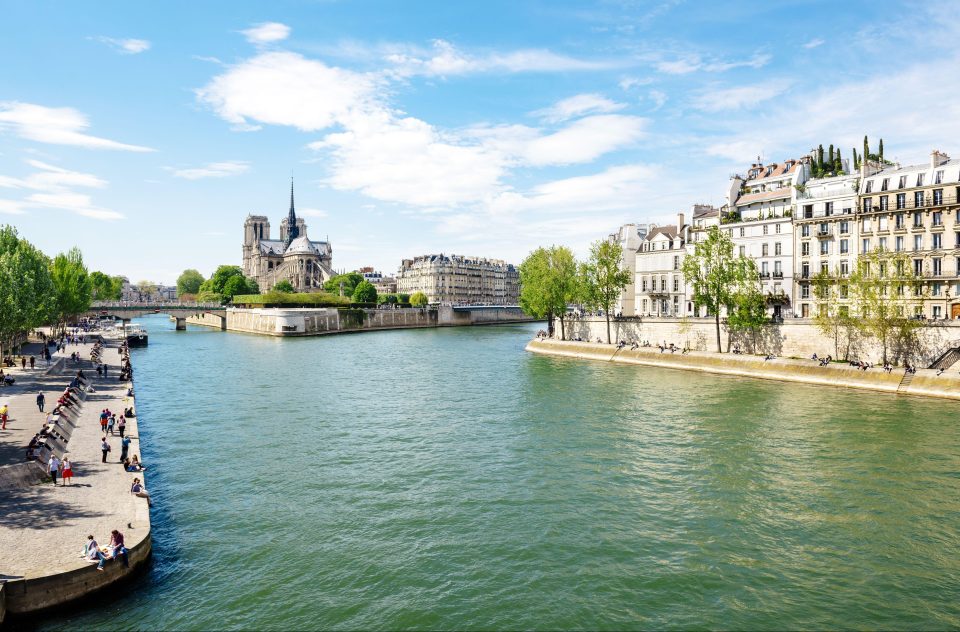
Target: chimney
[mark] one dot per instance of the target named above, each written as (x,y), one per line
(679,223)
(937,158)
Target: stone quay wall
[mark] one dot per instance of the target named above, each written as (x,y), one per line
(924,383)
(799,338)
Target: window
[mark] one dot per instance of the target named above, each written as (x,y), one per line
(883,243)
(676,284)
(882,222)
(937,311)
(805,248)
(643,284)
(807,211)
(865,246)
(663,284)
(899,247)
(918,199)
(937,266)
(764,269)
(884,205)
(777,249)
(777,229)
(920,179)
(764,250)
(828,208)
(898,219)
(676,262)
(777,270)
(885,184)
(937,197)
(844,246)
(866,224)
(824,268)
(824,247)
(743,251)
(937,241)
(867,205)
(901,200)
(844,268)
(844,228)
(935,289)
(869,186)
(742,231)
(917,220)
(824,228)
(804,292)
(918,266)
(938,177)
(938,218)
(917,242)
(766,229)
(805,230)
(805,271)
(903,182)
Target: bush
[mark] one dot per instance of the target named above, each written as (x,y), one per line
(284,286)
(280,299)
(365,293)
(418,299)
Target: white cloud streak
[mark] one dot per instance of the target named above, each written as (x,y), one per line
(266,33)
(578,105)
(56,126)
(212,170)
(740,97)
(125,46)
(54,189)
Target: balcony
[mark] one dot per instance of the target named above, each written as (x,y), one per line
(824,234)
(764,275)
(777,275)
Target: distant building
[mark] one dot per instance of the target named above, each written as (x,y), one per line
(629,236)
(305,264)
(460,280)
(382,284)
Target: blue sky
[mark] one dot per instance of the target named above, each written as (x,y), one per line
(146,132)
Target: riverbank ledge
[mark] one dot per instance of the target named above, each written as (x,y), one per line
(924,383)
(44,527)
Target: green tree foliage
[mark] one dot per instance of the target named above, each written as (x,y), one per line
(833,317)
(105,288)
(350,281)
(365,292)
(837,163)
(830,159)
(71,285)
(189,282)
(886,293)
(26,288)
(418,299)
(856,160)
(605,277)
(866,149)
(146,289)
(239,285)
(548,283)
(220,277)
(284,286)
(715,274)
(747,311)
(226,282)
(880,152)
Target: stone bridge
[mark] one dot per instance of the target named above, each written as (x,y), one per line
(180,311)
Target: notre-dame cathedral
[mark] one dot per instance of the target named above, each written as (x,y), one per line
(305,264)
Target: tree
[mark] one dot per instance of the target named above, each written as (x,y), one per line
(26,289)
(886,293)
(819,169)
(146,289)
(832,317)
(837,163)
(105,288)
(189,282)
(830,159)
(220,278)
(715,274)
(605,277)
(880,152)
(284,286)
(747,311)
(365,292)
(548,283)
(418,299)
(856,160)
(71,285)
(866,148)
(349,281)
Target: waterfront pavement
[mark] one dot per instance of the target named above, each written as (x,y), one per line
(42,527)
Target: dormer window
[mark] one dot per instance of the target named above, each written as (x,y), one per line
(903,182)
(938,179)
(920,179)
(884,184)
(869,186)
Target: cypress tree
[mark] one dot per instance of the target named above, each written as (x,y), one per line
(866,149)
(837,162)
(856,161)
(820,160)
(830,158)
(880,155)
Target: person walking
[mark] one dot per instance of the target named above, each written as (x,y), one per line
(23,362)
(110,423)
(53,466)
(66,469)
(122,425)
(33,362)
(4,414)
(103,421)
(124,447)
(40,400)
(104,447)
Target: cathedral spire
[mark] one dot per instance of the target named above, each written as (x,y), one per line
(293,231)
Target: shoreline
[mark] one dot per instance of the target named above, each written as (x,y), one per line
(45,526)
(924,383)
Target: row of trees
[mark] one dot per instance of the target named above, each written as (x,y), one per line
(36,290)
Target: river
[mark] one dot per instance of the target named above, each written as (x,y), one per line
(445,478)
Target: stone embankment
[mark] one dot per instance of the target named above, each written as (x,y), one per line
(44,527)
(925,382)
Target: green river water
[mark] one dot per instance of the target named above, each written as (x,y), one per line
(439,479)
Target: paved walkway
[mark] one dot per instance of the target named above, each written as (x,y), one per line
(42,527)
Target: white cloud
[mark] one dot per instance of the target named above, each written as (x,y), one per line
(658,98)
(578,105)
(740,97)
(213,170)
(281,88)
(628,83)
(686,64)
(125,46)
(266,33)
(54,190)
(445,59)
(57,126)
(584,140)
(814,43)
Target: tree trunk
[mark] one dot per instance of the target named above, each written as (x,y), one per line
(550,324)
(563,335)
(717,316)
(606,314)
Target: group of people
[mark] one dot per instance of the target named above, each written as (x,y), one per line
(61,467)
(93,552)
(126,369)
(109,423)
(824,360)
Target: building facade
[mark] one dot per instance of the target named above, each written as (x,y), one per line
(629,236)
(305,264)
(460,280)
(913,210)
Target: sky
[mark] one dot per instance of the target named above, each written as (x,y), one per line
(145,133)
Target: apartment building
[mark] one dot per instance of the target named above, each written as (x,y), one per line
(914,210)
(629,236)
(460,280)
(825,237)
(760,207)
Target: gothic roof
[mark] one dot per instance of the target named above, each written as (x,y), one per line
(302,246)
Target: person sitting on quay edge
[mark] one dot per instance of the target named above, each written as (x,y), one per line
(117,549)
(138,490)
(137,464)
(91,550)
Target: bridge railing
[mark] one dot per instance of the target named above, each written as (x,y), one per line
(108,305)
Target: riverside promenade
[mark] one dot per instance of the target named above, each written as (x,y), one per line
(925,382)
(43,528)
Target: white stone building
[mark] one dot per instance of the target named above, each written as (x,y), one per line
(460,280)
(760,206)
(629,236)
(914,210)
